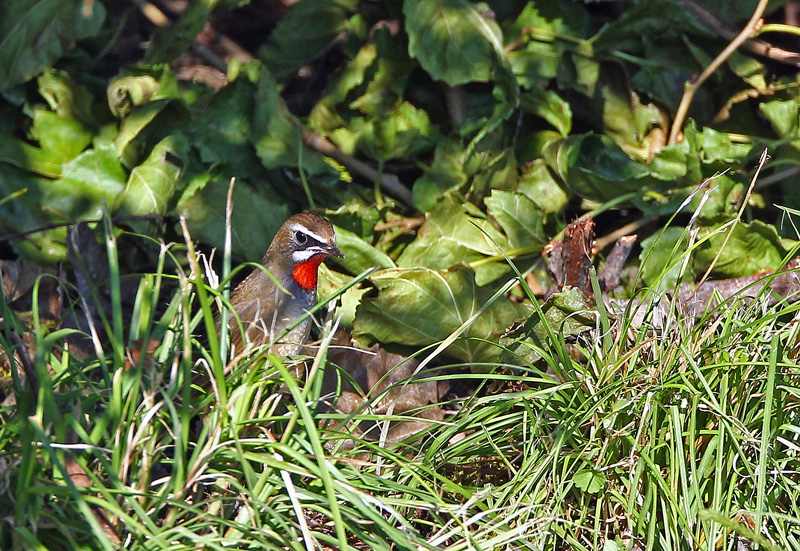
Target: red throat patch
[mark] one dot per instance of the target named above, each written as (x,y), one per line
(305,273)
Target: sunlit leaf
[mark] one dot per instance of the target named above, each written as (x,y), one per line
(749,248)
(454,233)
(545,31)
(452,40)
(519,217)
(152,185)
(420,306)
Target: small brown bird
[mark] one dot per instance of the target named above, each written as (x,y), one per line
(267,311)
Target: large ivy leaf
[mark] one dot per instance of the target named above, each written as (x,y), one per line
(751,248)
(358,254)
(420,306)
(455,232)
(661,255)
(518,215)
(152,185)
(452,40)
(307,29)
(36,33)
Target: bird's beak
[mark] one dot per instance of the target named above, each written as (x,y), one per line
(333,250)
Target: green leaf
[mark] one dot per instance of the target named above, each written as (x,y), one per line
(62,138)
(420,306)
(401,132)
(172,40)
(594,166)
(751,248)
(491,168)
(136,120)
(306,31)
(547,29)
(203,204)
(27,157)
(126,92)
(220,127)
(456,232)
(67,98)
(324,117)
(566,313)
(36,33)
(639,130)
(358,254)
(275,132)
(659,257)
(452,40)
(446,174)
(88,180)
(357,217)
(590,481)
(518,215)
(723,194)
(549,106)
(538,185)
(97,175)
(152,185)
(329,283)
(784,116)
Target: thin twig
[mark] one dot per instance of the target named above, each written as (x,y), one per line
(691,87)
(633,227)
(388,182)
(20,235)
(754,45)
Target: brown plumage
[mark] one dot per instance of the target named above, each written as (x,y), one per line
(267,311)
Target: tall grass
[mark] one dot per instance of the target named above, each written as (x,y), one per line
(685,437)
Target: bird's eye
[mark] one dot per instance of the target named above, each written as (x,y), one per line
(300,237)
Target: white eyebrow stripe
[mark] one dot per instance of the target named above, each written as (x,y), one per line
(305,230)
(302,256)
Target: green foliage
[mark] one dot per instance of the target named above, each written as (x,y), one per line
(448,141)
(453,40)
(420,306)
(36,33)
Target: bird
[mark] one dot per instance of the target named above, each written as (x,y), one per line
(266,310)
